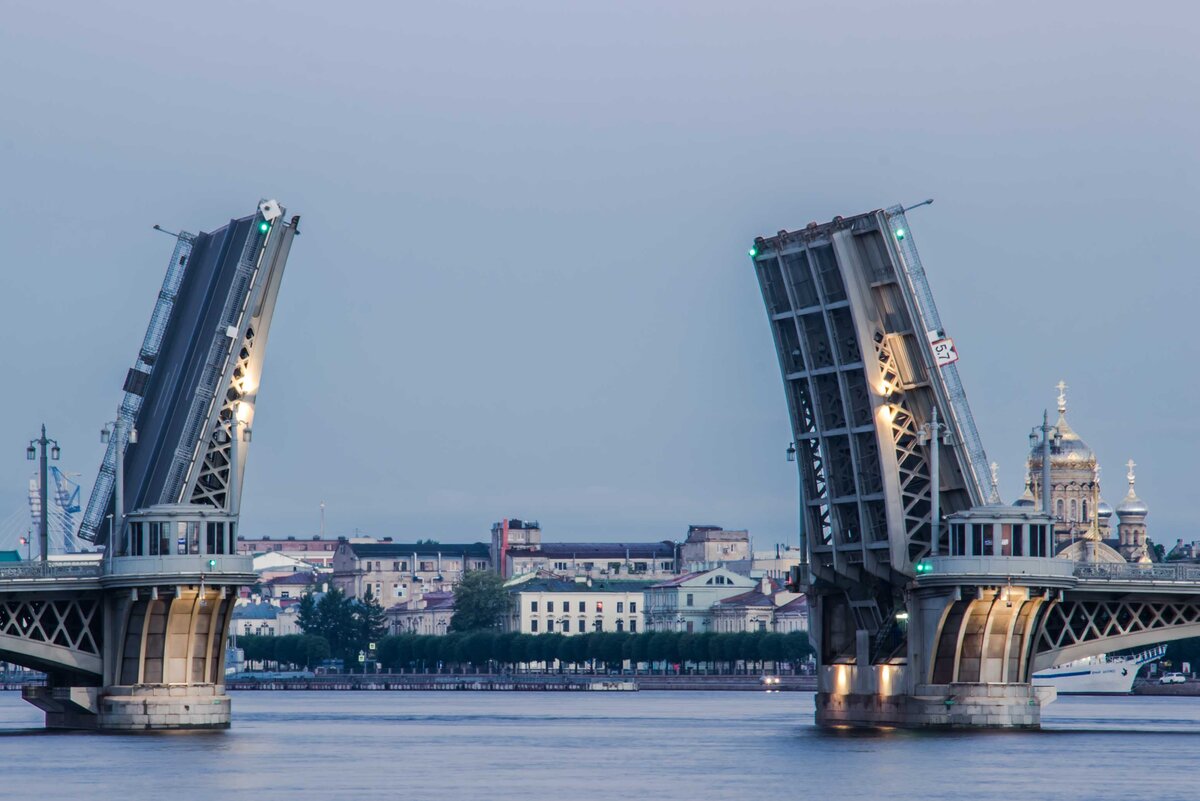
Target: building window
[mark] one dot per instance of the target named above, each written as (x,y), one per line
(533,606)
(666,565)
(620,607)
(397,592)
(633,607)
(427,565)
(533,626)
(1058,509)
(690,626)
(599,606)
(550,625)
(620,625)
(639,567)
(588,565)
(614,567)
(633,625)
(582,606)
(216,537)
(691,601)
(582,626)
(560,565)
(395,567)
(597,625)
(549,606)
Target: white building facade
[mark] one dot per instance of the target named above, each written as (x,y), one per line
(684,603)
(551,605)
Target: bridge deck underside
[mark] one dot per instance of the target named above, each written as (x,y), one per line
(860,385)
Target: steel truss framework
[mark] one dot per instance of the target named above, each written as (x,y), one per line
(838,294)
(1075,625)
(202,476)
(72,623)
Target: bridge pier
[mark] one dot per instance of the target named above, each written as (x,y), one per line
(136,642)
(871,703)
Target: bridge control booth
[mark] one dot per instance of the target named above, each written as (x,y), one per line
(137,640)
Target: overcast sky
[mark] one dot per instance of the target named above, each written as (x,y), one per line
(522,287)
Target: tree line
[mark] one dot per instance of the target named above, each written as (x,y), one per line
(489,651)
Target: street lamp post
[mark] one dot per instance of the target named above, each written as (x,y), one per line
(126,435)
(791,457)
(928,435)
(43,489)
(1044,435)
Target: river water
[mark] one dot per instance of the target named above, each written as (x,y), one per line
(668,746)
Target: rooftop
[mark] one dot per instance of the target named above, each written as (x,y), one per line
(603,550)
(389,549)
(299,579)
(259,611)
(567,585)
(752,598)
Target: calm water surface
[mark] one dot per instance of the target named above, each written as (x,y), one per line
(667,746)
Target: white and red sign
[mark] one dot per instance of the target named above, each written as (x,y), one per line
(944,351)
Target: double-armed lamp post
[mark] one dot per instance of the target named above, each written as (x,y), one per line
(1045,435)
(126,435)
(31,453)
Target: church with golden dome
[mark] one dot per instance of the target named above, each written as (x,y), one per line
(1082,518)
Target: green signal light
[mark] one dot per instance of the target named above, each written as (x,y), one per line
(753,252)
(924,567)
(899,233)
(264,226)
(212,562)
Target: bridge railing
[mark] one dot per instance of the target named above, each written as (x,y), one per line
(1137,572)
(50,570)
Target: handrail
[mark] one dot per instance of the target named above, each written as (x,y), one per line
(28,570)
(1137,572)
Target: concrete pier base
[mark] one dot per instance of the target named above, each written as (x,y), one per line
(962,705)
(138,708)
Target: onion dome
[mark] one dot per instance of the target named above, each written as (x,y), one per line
(1027,498)
(1104,511)
(1067,448)
(1132,505)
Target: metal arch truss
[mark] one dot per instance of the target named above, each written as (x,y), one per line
(211,487)
(69,623)
(1075,628)
(912,464)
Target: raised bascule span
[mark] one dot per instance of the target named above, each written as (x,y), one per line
(137,641)
(928,608)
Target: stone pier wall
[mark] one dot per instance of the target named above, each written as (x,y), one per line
(148,707)
(960,705)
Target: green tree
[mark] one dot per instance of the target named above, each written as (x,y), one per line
(335,621)
(372,621)
(257,648)
(316,650)
(797,648)
(306,614)
(480,601)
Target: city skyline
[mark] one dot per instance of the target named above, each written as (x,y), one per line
(485,320)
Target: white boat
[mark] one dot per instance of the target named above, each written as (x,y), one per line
(1097,675)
